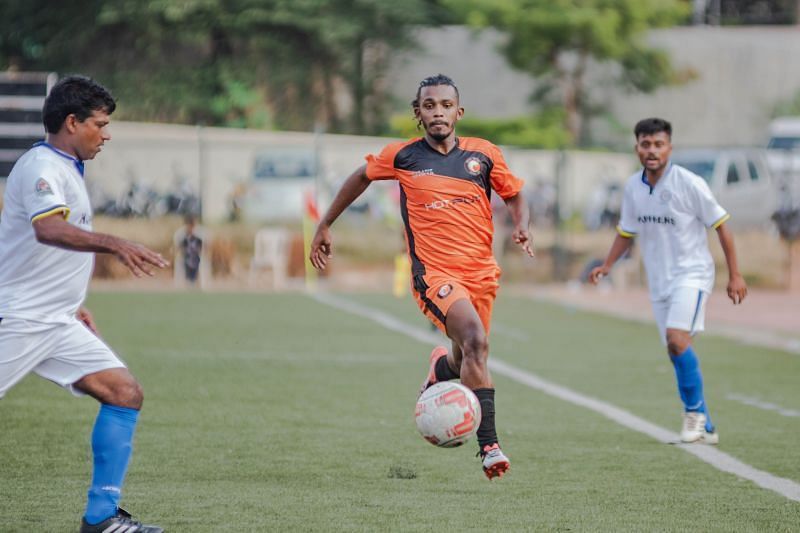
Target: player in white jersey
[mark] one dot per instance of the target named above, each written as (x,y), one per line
(670,210)
(47,252)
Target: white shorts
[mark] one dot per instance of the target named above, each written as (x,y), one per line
(685,310)
(62,353)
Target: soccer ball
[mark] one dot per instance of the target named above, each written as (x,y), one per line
(448,414)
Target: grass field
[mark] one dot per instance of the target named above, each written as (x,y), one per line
(280,413)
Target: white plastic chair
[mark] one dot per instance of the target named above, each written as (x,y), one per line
(271,252)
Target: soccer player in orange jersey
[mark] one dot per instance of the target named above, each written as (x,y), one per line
(445,187)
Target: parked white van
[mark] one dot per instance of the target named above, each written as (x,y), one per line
(784,134)
(783,158)
(740,180)
(281,177)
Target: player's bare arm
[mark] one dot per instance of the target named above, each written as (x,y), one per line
(520,215)
(618,249)
(737,288)
(55,231)
(321,245)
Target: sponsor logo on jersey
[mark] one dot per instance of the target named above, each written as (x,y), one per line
(649,219)
(453,202)
(445,291)
(473,166)
(43,188)
(423,172)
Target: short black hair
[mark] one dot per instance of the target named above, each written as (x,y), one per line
(432,81)
(75,95)
(651,126)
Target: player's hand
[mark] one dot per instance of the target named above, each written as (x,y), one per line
(138,258)
(522,237)
(321,248)
(84,316)
(737,289)
(597,274)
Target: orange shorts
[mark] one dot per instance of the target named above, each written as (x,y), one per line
(436,291)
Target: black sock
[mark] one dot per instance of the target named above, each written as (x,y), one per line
(487,434)
(443,370)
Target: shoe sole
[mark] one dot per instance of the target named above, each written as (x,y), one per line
(431,377)
(497,469)
(702,439)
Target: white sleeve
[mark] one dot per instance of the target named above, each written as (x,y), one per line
(43,193)
(628,221)
(705,205)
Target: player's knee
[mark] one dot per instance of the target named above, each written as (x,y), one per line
(678,342)
(476,345)
(128,394)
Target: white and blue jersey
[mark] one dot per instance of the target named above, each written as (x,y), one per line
(40,282)
(41,286)
(671,222)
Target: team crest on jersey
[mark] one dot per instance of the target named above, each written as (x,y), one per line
(665,197)
(43,188)
(444,291)
(473,166)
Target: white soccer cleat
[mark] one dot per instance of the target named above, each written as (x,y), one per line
(495,463)
(694,427)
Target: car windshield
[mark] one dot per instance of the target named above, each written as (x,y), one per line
(282,164)
(701,167)
(784,143)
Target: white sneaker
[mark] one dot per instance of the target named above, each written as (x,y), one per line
(711,437)
(694,426)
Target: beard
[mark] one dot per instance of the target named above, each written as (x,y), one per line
(439,135)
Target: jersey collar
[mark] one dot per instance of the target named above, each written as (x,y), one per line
(75,161)
(434,150)
(664,175)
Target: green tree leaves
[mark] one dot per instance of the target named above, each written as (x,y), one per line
(559,41)
(223,62)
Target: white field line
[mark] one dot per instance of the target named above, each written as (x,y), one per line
(711,455)
(761,404)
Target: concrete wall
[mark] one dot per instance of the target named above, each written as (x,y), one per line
(215,160)
(742,73)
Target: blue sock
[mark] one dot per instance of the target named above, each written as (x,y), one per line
(112,440)
(690,383)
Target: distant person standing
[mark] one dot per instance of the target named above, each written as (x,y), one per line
(47,249)
(190,244)
(670,208)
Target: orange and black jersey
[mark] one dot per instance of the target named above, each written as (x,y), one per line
(445,201)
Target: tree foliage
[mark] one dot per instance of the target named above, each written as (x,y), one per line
(223,62)
(557,41)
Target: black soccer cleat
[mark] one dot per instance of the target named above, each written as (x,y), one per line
(121,523)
